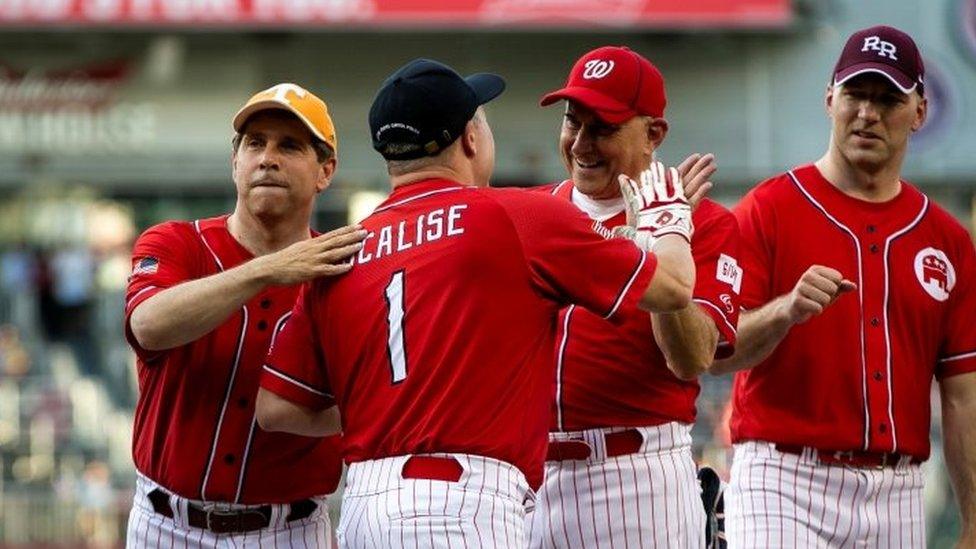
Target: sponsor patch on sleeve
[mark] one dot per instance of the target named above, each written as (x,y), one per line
(728,271)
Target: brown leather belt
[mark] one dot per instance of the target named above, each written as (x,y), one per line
(616,444)
(432,468)
(855,458)
(228,521)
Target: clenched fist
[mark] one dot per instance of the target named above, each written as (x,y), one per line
(816,290)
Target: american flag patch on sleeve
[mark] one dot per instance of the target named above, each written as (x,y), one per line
(146,265)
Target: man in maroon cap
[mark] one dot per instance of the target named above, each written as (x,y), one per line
(858,291)
(619,470)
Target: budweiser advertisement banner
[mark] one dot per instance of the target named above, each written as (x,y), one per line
(527,14)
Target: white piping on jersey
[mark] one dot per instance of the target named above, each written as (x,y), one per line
(556,189)
(207,244)
(250,436)
(860,300)
(233,373)
(559,368)
(888,241)
(958,357)
(139,293)
(247,452)
(721,312)
(418,197)
(294,381)
(626,288)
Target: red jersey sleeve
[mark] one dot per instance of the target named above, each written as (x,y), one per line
(756,233)
(958,350)
(295,368)
(719,277)
(163,256)
(571,263)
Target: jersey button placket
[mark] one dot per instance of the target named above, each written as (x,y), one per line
(874,336)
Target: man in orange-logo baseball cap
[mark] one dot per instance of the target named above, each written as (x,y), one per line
(311,110)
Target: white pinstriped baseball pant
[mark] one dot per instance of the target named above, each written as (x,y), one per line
(148,529)
(485,508)
(776,499)
(651,498)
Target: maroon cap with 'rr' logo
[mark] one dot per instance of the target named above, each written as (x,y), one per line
(883,50)
(616,83)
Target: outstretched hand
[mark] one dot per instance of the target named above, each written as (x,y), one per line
(656,206)
(324,255)
(696,172)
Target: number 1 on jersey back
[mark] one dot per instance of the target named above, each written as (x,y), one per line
(394,320)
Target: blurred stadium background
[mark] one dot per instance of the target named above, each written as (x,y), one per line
(115,115)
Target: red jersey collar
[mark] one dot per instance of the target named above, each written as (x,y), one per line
(419,188)
(908,198)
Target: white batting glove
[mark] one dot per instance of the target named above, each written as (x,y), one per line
(655,205)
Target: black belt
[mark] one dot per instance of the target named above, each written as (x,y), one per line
(229,521)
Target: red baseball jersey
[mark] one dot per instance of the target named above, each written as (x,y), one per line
(858,376)
(440,339)
(195,431)
(617,376)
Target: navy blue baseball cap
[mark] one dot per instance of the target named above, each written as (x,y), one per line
(424,106)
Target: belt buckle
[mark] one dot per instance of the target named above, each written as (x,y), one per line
(224,522)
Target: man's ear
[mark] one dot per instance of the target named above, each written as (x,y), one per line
(469,139)
(327,170)
(829,98)
(921,113)
(657,130)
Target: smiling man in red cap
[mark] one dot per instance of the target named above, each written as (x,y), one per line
(205,301)
(859,292)
(619,470)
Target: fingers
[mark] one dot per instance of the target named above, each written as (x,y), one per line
(336,255)
(705,165)
(815,294)
(628,187)
(675,184)
(686,165)
(696,179)
(847,286)
(337,238)
(340,231)
(816,290)
(697,194)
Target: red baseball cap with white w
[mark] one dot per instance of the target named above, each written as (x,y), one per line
(883,50)
(615,82)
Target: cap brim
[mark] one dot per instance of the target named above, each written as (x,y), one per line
(607,108)
(270,104)
(898,78)
(486,86)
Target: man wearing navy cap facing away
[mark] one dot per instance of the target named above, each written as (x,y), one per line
(441,366)
(858,292)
